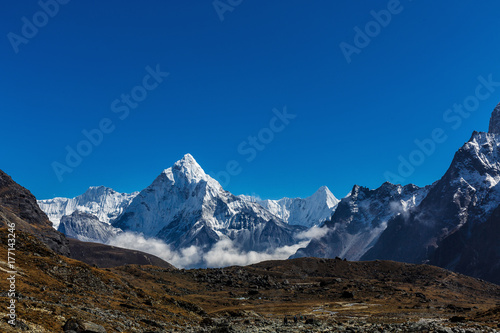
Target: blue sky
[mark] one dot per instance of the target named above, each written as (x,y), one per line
(354,120)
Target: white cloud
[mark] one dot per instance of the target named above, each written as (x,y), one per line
(313,233)
(187,257)
(223,253)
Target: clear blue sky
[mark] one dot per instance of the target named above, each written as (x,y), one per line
(353,119)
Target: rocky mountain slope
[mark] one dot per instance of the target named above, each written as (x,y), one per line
(448,223)
(18,206)
(465,196)
(307,212)
(360,219)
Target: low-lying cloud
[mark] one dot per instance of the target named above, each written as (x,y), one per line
(313,233)
(187,257)
(223,253)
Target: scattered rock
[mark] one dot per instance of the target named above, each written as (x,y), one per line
(78,326)
(347,294)
(207,322)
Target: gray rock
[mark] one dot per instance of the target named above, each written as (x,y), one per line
(77,325)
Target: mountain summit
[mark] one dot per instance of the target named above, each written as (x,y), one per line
(307,212)
(494,127)
(187,170)
(184,206)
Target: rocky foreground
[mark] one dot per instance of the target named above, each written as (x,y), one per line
(55,294)
(271,325)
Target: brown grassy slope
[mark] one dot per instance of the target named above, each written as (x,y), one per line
(147,298)
(52,288)
(106,256)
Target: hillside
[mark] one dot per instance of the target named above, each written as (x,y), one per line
(330,292)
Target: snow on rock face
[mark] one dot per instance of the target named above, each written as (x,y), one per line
(184,206)
(494,127)
(308,212)
(360,218)
(103,202)
(465,196)
(86,227)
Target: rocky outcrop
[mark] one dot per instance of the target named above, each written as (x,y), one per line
(19,206)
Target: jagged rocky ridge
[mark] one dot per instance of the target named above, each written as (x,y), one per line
(450,225)
(360,218)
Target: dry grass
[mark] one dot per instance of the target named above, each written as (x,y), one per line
(140,298)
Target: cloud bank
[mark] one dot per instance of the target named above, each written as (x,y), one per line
(223,253)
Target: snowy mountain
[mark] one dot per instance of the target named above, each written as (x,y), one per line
(103,202)
(86,227)
(184,206)
(466,195)
(360,219)
(453,223)
(308,212)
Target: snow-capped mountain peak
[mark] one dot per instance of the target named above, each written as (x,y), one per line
(323,194)
(307,212)
(187,172)
(184,206)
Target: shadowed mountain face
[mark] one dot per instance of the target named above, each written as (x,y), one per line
(86,227)
(449,223)
(360,219)
(473,250)
(460,202)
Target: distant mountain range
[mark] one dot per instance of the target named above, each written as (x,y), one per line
(185,207)
(452,223)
